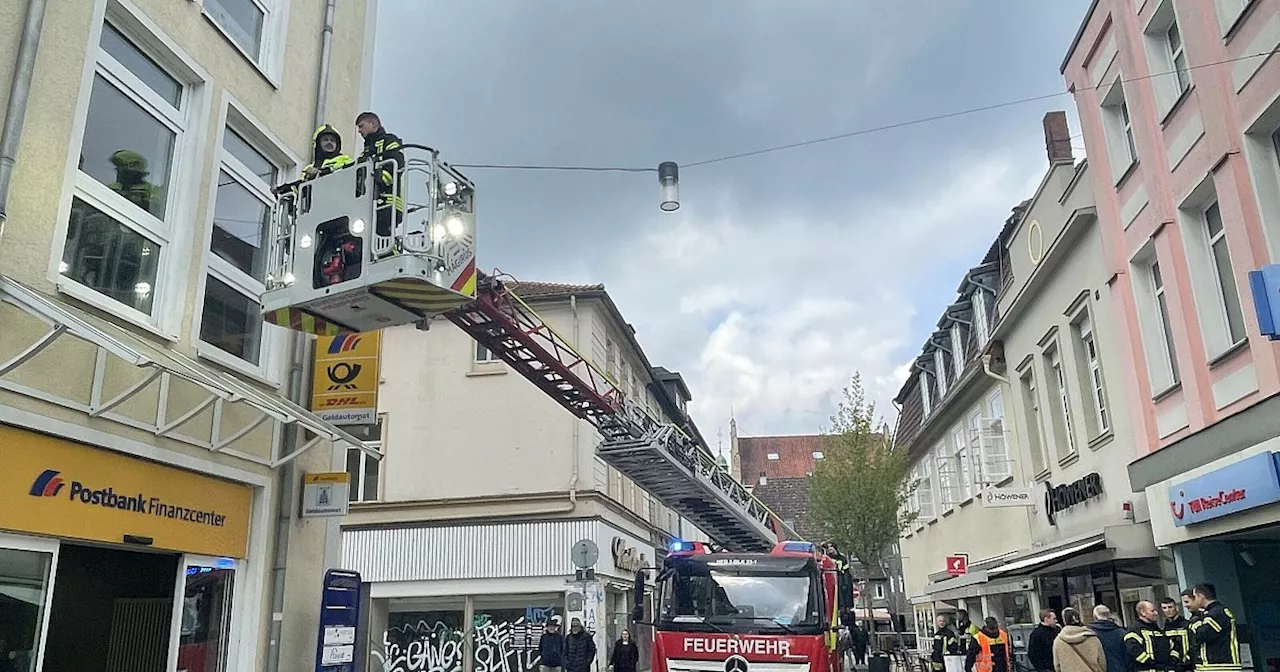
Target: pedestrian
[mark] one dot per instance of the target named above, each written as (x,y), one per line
(965,630)
(860,639)
(945,643)
(1077,648)
(991,650)
(1111,636)
(579,648)
(1040,642)
(380,146)
(1146,643)
(625,654)
(551,648)
(1214,632)
(1177,630)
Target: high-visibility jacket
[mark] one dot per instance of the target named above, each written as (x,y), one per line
(1150,649)
(945,643)
(1216,639)
(990,654)
(1178,629)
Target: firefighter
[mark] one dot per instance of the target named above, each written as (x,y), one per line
(379,146)
(131,182)
(1214,633)
(1192,653)
(1178,631)
(326,153)
(965,630)
(991,650)
(1147,645)
(945,643)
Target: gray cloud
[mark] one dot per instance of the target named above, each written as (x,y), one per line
(782,274)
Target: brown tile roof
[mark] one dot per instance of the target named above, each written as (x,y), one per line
(533,289)
(795,456)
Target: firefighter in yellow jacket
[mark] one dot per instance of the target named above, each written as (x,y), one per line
(326,153)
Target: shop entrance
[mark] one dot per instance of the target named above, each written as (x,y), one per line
(112,610)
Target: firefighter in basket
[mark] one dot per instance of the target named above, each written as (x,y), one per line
(337,251)
(379,146)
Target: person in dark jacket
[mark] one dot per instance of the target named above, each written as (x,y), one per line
(1146,643)
(1178,630)
(551,648)
(579,648)
(1040,642)
(379,146)
(1214,632)
(859,639)
(1112,637)
(945,643)
(625,654)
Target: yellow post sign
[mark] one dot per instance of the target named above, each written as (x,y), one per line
(58,488)
(345,391)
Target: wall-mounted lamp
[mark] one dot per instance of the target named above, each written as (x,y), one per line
(669,186)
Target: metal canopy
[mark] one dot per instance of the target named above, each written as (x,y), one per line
(164,365)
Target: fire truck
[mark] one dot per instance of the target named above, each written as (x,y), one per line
(345,257)
(732,612)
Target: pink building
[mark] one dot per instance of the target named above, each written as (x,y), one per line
(1179,101)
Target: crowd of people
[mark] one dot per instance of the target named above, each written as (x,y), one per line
(1159,640)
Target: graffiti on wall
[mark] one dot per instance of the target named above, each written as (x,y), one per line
(500,645)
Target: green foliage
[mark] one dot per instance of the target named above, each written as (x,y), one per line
(858,491)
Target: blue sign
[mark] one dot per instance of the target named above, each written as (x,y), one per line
(1264,284)
(1247,484)
(337,646)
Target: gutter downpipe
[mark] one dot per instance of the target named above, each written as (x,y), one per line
(19,93)
(986,368)
(300,351)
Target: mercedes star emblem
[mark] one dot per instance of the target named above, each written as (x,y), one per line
(735,664)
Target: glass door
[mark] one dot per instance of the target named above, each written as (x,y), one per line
(26,585)
(204,606)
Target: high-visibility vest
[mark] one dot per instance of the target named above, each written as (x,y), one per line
(985,661)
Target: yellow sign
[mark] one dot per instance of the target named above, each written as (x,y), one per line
(54,487)
(345,391)
(327,477)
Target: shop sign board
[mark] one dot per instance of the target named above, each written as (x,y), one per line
(345,391)
(339,619)
(998,498)
(325,494)
(627,558)
(53,487)
(1247,484)
(1060,498)
(958,564)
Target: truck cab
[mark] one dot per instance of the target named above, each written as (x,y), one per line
(734,612)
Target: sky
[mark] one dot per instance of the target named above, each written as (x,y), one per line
(783,274)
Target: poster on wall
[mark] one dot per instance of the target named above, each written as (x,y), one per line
(506,639)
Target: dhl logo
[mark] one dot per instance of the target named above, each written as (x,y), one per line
(342,401)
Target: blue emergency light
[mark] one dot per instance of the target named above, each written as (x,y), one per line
(798,546)
(678,546)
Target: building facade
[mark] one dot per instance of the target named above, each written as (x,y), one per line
(1029,445)
(143,422)
(1180,107)
(466,532)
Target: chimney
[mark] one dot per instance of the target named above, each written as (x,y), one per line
(1057,138)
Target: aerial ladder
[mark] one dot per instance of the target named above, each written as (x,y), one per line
(333,271)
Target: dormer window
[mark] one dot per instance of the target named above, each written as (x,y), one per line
(980,318)
(940,369)
(957,349)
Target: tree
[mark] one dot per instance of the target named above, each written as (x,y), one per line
(858,491)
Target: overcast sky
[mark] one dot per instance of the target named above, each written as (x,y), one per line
(782,274)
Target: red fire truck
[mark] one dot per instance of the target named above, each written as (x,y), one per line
(744,612)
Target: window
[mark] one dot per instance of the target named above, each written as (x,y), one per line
(238,243)
(1167,56)
(1035,430)
(1166,324)
(1122,148)
(1229,13)
(921,497)
(1224,274)
(484,355)
(1098,417)
(879,590)
(1064,429)
(980,318)
(987,436)
(251,25)
(773,456)
(957,350)
(948,478)
(818,455)
(940,370)
(964,473)
(926,398)
(125,204)
(363,469)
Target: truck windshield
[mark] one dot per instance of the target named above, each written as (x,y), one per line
(736,597)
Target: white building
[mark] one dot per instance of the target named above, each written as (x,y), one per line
(1041,434)
(487,483)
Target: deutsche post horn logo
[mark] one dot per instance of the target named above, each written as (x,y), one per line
(341,375)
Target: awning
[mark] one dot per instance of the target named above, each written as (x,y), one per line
(222,387)
(1039,560)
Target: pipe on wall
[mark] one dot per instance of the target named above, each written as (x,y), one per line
(19,93)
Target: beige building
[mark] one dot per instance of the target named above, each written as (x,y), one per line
(145,436)
(486,485)
(1009,411)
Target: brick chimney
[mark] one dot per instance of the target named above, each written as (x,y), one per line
(1057,138)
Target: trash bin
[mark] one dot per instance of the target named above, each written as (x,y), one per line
(878,662)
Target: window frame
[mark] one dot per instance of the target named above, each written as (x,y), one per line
(1221,283)
(269,62)
(476,348)
(940,372)
(957,350)
(1056,368)
(379,444)
(980,318)
(962,454)
(182,196)
(1117,126)
(926,397)
(1171,83)
(273,340)
(1089,373)
(1161,304)
(1230,14)
(1030,392)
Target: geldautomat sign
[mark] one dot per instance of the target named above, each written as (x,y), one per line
(1247,484)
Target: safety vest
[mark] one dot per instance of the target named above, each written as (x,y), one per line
(985,661)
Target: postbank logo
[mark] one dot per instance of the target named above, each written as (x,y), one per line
(50,484)
(47,484)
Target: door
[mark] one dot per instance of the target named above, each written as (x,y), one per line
(203,614)
(26,588)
